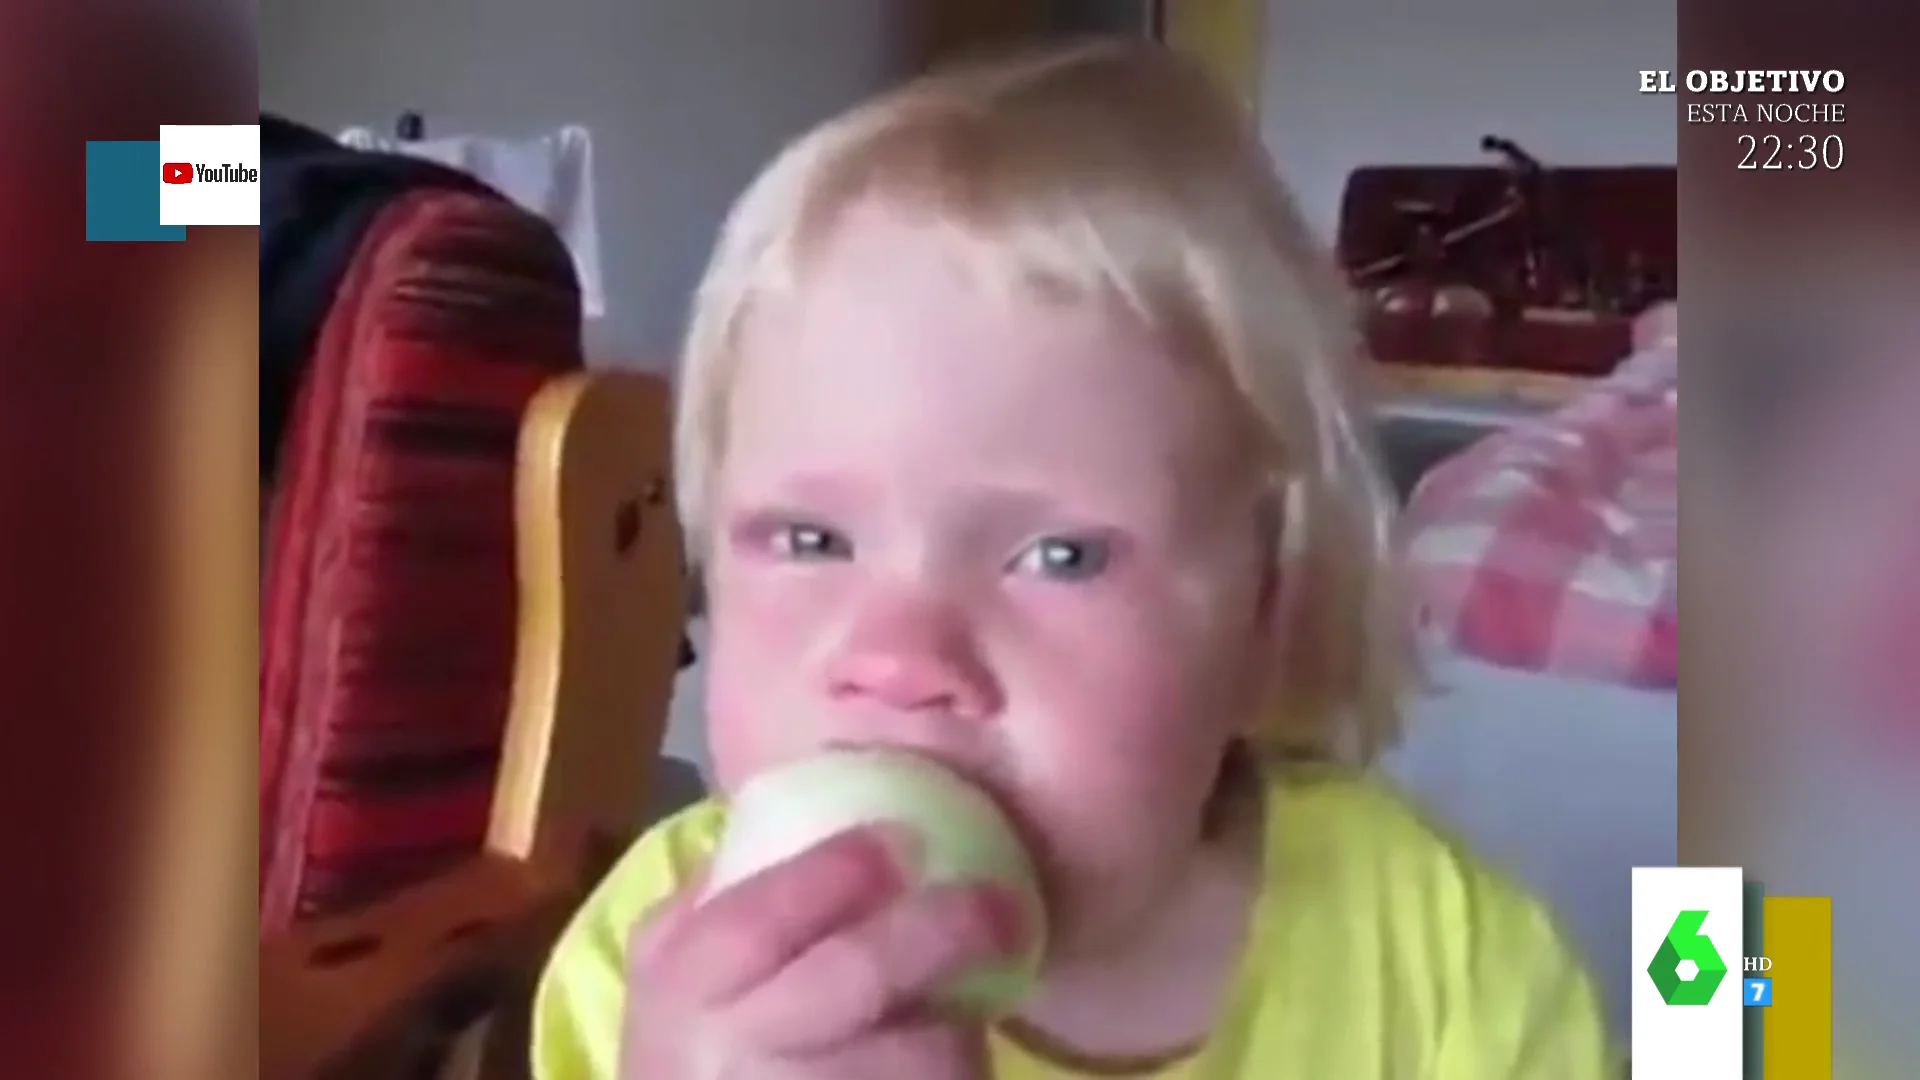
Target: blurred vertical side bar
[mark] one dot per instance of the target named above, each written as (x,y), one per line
(1754,1021)
(1799,1025)
(1798,755)
(89,353)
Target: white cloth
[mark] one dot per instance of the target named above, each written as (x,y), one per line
(550,175)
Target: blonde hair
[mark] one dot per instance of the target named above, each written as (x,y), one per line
(1117,173)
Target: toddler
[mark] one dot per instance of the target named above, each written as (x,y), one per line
(1018,429)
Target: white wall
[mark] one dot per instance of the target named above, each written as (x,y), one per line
(1374,82)
(685,99)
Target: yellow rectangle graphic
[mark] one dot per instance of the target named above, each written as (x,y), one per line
(1798,938)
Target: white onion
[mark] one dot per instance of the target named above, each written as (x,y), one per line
(962,834)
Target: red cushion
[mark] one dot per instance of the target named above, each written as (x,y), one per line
(388,603)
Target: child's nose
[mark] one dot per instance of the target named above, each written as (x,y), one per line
(913,659)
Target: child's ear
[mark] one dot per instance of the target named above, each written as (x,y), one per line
(1274,594)
(1278,524)
(1268,598)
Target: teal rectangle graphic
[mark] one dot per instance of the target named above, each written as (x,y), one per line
(1753,1021)
(123,193)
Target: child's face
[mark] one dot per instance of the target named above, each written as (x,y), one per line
(1012,536)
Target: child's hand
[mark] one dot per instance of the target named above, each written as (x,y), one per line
(822,966)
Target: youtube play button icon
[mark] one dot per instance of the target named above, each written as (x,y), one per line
(176,172)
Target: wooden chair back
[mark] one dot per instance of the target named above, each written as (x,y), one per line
(395,990)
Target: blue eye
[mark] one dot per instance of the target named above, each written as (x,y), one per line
(810,543)
(1064,558)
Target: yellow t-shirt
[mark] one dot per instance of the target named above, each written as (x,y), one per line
(1381,950)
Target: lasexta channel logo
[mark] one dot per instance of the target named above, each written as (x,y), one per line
(1685,946)
(176,172)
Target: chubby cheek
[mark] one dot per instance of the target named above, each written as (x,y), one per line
(740,738)
(763,632)
(1123,777)
(1124,712)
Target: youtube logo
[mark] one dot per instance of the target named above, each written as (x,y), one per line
(209,175)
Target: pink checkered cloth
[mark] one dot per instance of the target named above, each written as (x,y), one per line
(1553,546)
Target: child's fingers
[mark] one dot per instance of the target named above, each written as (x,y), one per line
(891,963)
(732,941)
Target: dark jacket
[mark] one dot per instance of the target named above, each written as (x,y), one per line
(317,200)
